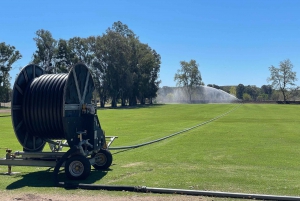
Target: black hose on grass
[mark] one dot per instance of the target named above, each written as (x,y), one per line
(144,189)
(157,140)
(5,115)
(166,137)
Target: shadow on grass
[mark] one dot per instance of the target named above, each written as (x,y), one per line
(5,115)
(45,179)
(132,107)
(122,150)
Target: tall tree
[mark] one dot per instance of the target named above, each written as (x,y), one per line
(64,57)
(148,68)
(189,77)
(125,69)
(154,81)
(44,56)
(267,89)
(8,56)
(240,89)
(99,69)
(112,62)
(253,91)
(233,90)
(283,78)
(81,50)
(130,78)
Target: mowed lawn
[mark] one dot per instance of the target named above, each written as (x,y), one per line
(253,149)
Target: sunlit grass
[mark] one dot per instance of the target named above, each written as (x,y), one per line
(254,149)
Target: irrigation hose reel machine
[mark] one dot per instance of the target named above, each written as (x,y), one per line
(56,108)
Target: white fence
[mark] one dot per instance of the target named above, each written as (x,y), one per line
(5,104)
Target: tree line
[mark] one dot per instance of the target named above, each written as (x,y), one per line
(125,70)
(8,56)
(282,88)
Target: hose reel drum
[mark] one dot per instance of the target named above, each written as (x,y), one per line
(57,106)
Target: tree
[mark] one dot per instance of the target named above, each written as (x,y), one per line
(283,78)
(44,56)
(8,56)
(81,50)
(112,63)
(148,69)
(233,90)
(63,57)
(246,97)
(124,68)
(240,91)
(253,91)
(267,89)
(188,77)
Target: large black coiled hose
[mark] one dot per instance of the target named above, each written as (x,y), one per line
(43,106)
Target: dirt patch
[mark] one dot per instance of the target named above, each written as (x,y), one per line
(133,164)
(47,197)
(4,110)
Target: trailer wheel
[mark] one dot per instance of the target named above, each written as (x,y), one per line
(103,159)
(77,167)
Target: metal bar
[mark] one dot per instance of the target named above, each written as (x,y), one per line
(111,138)
(19,89)
(85,87)
(33,70)
(16,107)
(25,76)
(19,125)
(77,86)
(23,162)
(39,154)
(25,140)
(33,138)
(72,107)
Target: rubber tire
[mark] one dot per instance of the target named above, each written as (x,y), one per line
(106,159)
(77,161)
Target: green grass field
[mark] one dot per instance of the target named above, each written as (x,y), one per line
(254,149)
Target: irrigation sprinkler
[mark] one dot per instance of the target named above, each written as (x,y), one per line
(58,109)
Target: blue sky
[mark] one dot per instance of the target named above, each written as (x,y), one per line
(233,41)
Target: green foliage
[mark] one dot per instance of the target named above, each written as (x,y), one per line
(8,56)
(283,78)
(233,90)
(123,68)
(262,97)
(246,97)
(240,91)
(188,76)
(267,89)
(44,56)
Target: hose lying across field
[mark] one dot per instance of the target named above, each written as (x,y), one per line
(177,133)
(145,189)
